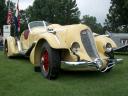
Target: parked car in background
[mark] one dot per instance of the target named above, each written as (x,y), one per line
(121,40)
(73,47)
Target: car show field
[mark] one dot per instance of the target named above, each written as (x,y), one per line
(63,48)
(17,78)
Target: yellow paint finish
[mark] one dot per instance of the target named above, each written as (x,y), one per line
(101,42)
(32,56)
(24,42)
(71,34)
(62,38)
(12,48)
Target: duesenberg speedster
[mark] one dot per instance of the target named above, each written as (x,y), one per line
(73,47)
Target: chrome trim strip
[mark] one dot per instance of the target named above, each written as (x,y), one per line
(75,63)
(79,63)
(93,64)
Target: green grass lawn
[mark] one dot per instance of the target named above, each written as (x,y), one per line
(17,78)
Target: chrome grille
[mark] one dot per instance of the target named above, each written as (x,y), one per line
(89,44)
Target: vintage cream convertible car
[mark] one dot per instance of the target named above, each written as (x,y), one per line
(73,47)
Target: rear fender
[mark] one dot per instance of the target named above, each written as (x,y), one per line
(11,43)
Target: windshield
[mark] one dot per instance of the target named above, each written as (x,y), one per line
(37,24)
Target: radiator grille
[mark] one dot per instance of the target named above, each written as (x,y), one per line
(89,44)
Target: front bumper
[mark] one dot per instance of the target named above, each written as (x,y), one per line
(111,63)
(93,65)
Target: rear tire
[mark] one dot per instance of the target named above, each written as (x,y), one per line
(6,48)
(49,62)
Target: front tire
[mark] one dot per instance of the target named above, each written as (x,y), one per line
(49,62)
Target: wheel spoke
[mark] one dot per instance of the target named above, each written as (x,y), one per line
(45,61)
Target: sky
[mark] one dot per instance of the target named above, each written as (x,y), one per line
(23,4)
(97,8)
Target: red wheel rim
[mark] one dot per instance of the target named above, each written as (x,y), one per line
(44,58)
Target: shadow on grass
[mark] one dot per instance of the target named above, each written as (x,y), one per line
(83,74)
(18,58)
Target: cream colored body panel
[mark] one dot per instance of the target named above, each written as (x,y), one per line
(24,42)
(32,56)
(61,39)
(12,46)
(71,34)
(103,40)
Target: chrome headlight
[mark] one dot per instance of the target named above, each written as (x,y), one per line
(75,47)
(108,48)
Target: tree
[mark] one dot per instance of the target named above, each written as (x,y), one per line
(117,19)
(23,21)
(55,11)
(3,10)
(92,23)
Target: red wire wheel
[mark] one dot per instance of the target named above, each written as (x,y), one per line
(45,60)
(49,62)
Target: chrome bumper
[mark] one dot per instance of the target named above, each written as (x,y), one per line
(82,64)
(112,62)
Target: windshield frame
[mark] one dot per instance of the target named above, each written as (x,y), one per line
(35,24)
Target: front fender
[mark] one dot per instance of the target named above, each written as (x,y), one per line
(11,43)
(54,41)
(101,41)
(32,56)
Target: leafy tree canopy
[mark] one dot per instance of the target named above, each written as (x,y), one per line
(3,10)
(92,23)
(55,11)
(117,19)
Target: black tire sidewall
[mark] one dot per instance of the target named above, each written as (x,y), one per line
(54,62)
(6,47)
